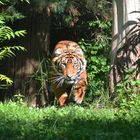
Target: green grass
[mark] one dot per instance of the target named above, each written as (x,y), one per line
(18,122)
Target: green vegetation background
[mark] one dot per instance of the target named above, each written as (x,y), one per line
(69,123)
(101,117)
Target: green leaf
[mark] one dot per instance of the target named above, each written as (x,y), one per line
(20,33)
(5,79)
(10,51)
(138,82)
(133,83)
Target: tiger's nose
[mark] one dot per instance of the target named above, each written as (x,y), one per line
(69,76)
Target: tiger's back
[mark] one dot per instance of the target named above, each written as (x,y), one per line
(67,74)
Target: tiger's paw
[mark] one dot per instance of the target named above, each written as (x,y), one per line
(78,100)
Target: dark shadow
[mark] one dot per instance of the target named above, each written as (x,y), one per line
(63,128)
(22,67)
(128,55)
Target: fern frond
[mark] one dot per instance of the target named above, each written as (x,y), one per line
(20,33)
(2,21)
(5,81)
(7,33)
(10,51)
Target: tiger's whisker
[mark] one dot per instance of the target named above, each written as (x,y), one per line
(57,80)
(62,81)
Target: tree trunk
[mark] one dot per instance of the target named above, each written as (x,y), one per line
(125,44)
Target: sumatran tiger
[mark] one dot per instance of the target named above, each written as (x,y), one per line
(67,74)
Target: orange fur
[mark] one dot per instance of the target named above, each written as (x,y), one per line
(67,74)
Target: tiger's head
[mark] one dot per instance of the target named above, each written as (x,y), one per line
(68,61)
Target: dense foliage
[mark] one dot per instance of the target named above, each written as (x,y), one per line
(67,123)
(99,120)
(97,54)
(6,34)
(89,24)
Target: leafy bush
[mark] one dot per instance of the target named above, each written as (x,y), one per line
(127,96)
(97,55)
(129,108)
(126,88)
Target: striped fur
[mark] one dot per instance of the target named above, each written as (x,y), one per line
(67,74)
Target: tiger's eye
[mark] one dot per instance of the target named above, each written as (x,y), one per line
(58,51)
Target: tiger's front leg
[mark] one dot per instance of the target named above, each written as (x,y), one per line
(58,93)
(79,93)
(62,99)
(80,89)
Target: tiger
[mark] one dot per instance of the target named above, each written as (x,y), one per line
(67,74)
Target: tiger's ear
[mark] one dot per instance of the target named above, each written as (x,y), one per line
(79,51)
(58,51)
